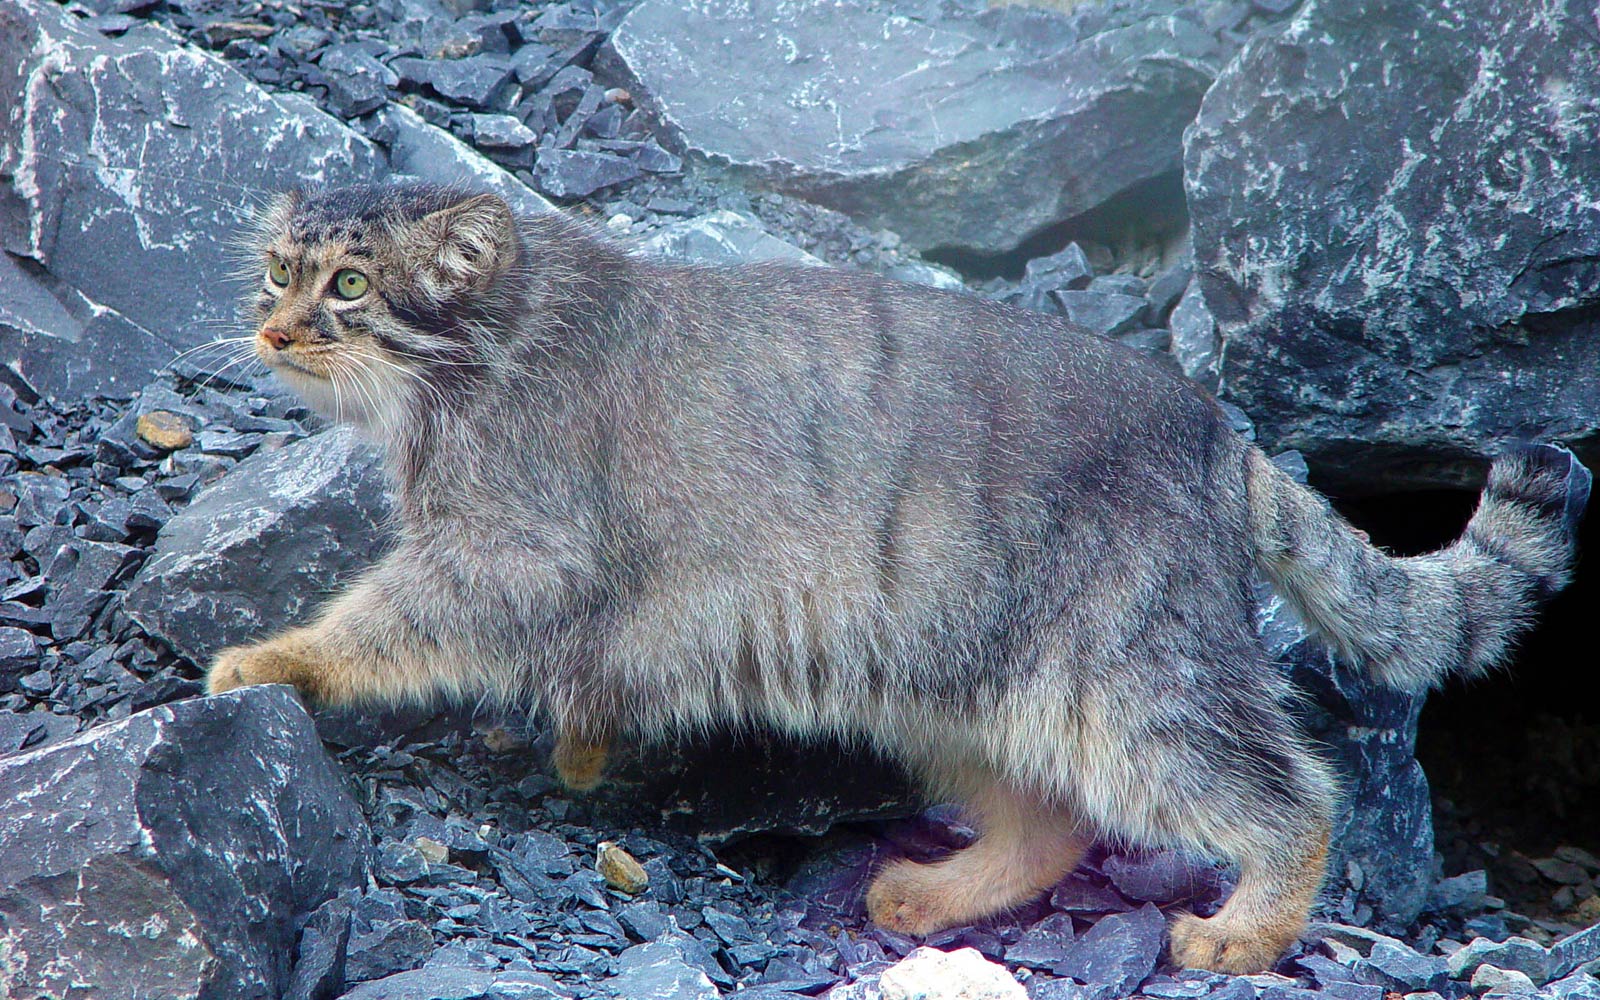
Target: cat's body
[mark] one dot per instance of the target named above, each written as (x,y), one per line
(1013,555)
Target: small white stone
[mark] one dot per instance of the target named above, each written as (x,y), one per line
(620,222)
(1490,981)
(930,974)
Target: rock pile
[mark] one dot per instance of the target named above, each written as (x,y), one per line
(1418,297)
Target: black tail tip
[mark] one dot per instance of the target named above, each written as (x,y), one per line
(1555,461)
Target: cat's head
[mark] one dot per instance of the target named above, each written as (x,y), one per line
(365,294)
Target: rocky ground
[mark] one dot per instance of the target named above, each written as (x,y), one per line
(154,509)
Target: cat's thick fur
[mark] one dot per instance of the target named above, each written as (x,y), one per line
(1013,555)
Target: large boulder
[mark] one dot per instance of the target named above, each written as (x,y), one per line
(171,854)
(957,126)
(256,550)
(1396,224)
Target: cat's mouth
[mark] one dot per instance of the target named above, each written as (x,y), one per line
(284,360)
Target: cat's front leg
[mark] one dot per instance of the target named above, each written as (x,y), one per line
(397,635)
(289,658)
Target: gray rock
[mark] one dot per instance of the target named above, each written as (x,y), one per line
(1491,981)
(657,970)
(171,853)
(431,154)
(1195,345)
(357,82)
(389,947)
(502,132)
(1119,950)
(127,165)
(1575,950)
(456,983)
(1383,833)
(1067,268)
(722,237)
(54,338)
(258,548)
(1462,893)
(1435,293)
(577,173)
(1405,969)
(1514,954)
(474,82)
(1044,944)
(319,964)
(1102,312)
(952,128)
(1578,986)
(19,655)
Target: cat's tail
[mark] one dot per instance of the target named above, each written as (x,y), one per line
(1414,621)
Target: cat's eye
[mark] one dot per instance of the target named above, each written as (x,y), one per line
(350,284)
(278,272)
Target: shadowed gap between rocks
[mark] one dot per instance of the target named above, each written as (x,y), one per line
(1513,758)
(1141,222)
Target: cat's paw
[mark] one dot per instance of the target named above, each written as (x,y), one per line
(580,763)
(911,898)
(263,663)
(1219,946)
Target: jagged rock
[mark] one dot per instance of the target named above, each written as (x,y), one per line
(1381,855)
(1514,954)
(171,853)
(255,551)
(428,153)
(1194,337)
(1397,314)
(722,237)
(964,974)
(357,82)
(455,983)
(54,338)
(577,173)
(1118,951)
(126,165)
(1491,981)
(953,128)
(475,81)
(658,969)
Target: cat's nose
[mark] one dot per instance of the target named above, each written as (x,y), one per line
(276,337)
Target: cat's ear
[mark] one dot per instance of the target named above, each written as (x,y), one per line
(465,246)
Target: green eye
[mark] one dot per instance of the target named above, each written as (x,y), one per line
(350,284)
(278,273)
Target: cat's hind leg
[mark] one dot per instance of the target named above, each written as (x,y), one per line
(580,756)
(1215,763)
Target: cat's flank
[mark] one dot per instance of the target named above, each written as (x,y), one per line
(1018,557)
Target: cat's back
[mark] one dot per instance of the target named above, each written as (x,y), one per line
(812,355)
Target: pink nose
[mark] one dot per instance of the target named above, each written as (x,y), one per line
(276,337)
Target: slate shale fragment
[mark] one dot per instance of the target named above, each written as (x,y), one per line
(171,853)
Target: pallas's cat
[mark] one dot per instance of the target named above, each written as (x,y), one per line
(1015,556)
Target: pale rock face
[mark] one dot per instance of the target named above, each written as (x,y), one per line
(931,974)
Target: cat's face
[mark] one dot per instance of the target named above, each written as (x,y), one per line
(360,291)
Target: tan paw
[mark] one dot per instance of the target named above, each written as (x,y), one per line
(580,764)
(1200,943)
(905,897)
(264,663)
